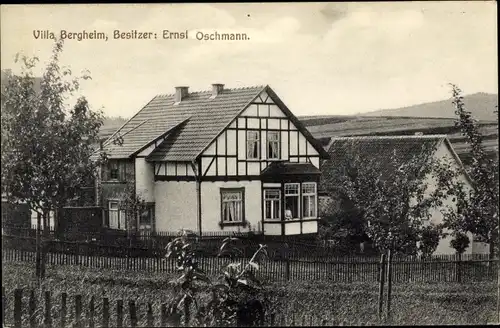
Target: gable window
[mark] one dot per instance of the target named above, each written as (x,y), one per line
(309,200)
(253,145)
(273,145)
(272,200)
(232,206)
(116,216)
(292,204)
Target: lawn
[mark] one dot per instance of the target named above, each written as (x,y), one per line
(305,302)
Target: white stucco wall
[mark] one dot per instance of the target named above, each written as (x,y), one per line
(144,179)
(444,247)
(175,206)
(211,205)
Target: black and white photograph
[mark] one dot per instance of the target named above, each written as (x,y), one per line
(250,164)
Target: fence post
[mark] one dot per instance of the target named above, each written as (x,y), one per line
(48,317)
(150,315)
(389,285)
(64,310)
(78,310)
(381,285)
(105,313)
(163,315)
(133,313)
(4,305)
(18,296)
(32,308)
(91,312)
(119,313)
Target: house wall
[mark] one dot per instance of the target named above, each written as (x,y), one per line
(444,247)
(175,206)
(144,179)
(211,205)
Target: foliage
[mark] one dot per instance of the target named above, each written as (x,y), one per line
(429,240)
(394,198)
(46,146)
(233,295)
(460,242)
(477,207)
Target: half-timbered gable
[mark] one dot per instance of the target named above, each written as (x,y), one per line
(225,159)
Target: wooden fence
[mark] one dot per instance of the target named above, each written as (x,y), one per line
(355,269)
(22,308)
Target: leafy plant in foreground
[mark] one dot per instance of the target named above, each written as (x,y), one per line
(236,294)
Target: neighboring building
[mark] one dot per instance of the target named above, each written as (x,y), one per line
(219,160)
(380,149)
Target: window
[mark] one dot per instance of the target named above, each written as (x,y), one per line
(272,204)
(146,218)
(116,216)
(273,145)
(309,200)
(114,170)
(291,201)
(232,206)
(253,143)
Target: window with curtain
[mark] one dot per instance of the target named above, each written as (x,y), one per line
(272,200)
(114,170)
(273,145)
(117,217)
(309,200)
(292,201)
(253,145)
(232,205)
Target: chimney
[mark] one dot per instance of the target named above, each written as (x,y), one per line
(180,93)
(216,89)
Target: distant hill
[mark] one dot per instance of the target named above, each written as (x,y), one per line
(411,120)
(482,106)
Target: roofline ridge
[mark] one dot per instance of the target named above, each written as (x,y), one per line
(425,136)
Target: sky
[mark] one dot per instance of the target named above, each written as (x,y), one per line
(320,58)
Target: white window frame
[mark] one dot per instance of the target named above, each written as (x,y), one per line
(310,195)
(293,195)
(277,141)
(253,141)
(224,208)
(121,215)
(273,202)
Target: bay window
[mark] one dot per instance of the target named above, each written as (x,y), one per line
(272,201)
(292,204)
(232,206)
(309,200)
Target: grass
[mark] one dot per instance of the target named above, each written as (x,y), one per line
(306,302)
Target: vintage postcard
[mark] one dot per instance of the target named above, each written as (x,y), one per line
(250,164)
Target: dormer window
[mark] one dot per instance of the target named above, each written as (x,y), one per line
(273,145)
(253,143)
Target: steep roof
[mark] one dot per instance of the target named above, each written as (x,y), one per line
(190,126)
(379,149)
(207,117)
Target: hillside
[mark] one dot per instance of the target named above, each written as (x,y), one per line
(413,121)
(482,106)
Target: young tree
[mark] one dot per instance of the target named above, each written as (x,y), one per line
(477,207)
(394,198)
(46,145)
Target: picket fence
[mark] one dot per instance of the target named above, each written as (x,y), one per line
(344,270)
(78,311)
